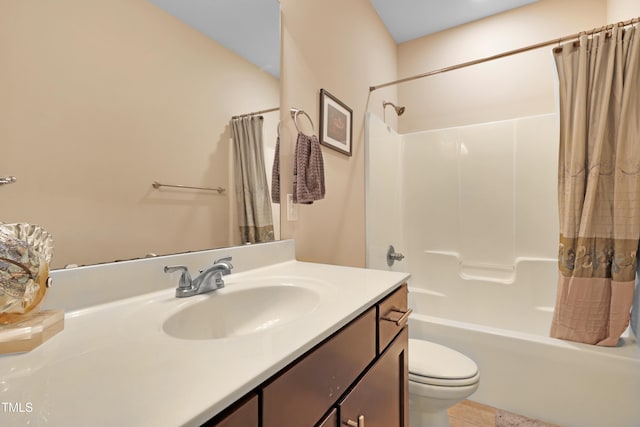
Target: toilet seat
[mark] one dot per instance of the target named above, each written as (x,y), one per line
(435,364)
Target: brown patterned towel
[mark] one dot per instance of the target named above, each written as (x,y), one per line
(308,170)
(275,174)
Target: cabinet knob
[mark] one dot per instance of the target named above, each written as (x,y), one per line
(359,423)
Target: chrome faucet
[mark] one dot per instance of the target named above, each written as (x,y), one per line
(209,279)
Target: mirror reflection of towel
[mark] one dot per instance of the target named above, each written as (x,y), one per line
(308,170)
(275,174)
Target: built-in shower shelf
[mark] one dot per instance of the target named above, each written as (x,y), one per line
(487,275)
(485,272)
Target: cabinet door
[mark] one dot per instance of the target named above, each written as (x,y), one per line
(304,392)
(380,399)
(242,414)
(331,420)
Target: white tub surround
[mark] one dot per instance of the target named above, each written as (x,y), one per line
(474,210)
(114,365)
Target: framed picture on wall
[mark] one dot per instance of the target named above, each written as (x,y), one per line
(336,123)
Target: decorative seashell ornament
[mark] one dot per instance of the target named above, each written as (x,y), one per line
(25,255)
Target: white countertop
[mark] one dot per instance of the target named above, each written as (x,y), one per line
(114,366)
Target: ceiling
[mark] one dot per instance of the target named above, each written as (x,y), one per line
(409,19)
(251,28)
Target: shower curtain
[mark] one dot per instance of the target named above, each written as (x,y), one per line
(252,190)
(598,185)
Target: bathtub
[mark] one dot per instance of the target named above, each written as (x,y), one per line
(501,320)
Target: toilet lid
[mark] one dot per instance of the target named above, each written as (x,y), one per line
(432,363)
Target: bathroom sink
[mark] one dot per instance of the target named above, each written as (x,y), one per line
(243,308)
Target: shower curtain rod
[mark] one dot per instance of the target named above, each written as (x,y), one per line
(268,110)
(505,54)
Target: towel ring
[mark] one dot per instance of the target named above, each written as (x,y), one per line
(295,113)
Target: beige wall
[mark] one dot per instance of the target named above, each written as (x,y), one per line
(100,98)
(622,10)
(521,85)
(343,47)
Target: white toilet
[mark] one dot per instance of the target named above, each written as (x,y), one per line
(439,377)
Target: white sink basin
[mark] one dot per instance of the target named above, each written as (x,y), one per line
(243,308)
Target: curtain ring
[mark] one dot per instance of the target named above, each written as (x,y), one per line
(558,48)
(609,31)
(295,120)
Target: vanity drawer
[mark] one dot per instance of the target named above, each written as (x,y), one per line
(393,315)
(302,394)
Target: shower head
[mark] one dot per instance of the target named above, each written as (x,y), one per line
(399,110)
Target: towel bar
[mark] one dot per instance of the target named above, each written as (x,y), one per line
(156,185)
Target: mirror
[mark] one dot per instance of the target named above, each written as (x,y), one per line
(101,99)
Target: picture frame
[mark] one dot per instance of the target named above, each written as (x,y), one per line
(336,123)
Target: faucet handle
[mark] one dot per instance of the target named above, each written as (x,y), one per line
(225,259)
(173,268)
(226,263)
(185,277)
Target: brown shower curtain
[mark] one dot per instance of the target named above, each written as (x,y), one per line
(598,185)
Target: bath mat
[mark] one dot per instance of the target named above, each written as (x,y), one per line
(507,419)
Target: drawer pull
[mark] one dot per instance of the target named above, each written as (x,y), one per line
(402,320)
(360,422)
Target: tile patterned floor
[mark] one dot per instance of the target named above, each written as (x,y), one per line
(472,414)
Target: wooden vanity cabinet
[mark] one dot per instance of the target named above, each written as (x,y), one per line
(330,420)
(380,398)
(358,375)
(305,391)
(244,413)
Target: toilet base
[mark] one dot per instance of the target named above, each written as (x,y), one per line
(428,419)
(428,404)
(418,417)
